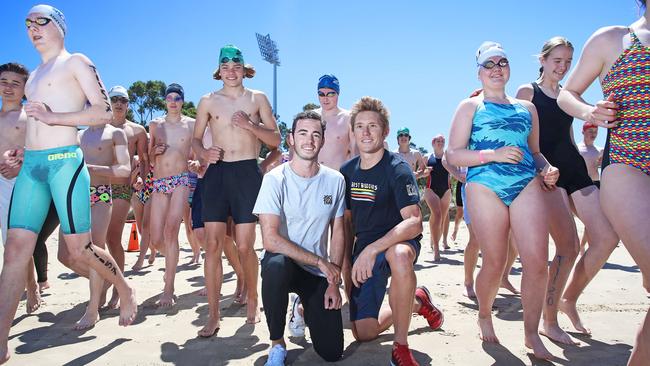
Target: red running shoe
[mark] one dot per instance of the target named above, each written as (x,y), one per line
(428,310)
(402,356)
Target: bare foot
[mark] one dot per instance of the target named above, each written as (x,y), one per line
(569,308)
(555,333)
(114,302)
(138,264)
(152,256)
(445,245)
(196,259)
(469,291)
(203,291)
(166,300)
(505,283)
(486,330)
(436,257)
(211,328)
(88,320)
(42,286)
(34,300)
(240,292)
(252,312)
(535,343)
(128,309)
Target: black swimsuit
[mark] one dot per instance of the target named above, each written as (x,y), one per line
(438,180)
(556,145)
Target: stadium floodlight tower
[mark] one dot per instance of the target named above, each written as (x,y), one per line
(269,51)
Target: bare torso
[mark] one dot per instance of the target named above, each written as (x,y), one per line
(54,84)
(12,130)
(237,143)
(178,137)
(412,157)
(98,148)
(592,156)
(135,135)
(337,148)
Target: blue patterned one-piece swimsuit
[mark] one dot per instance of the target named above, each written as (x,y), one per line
(498,125)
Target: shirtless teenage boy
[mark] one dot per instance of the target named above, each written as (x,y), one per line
(169,151)
(240,119)
(57,92)
(136,137)
(340,143)
(106,155)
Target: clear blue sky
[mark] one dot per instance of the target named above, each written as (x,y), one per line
(417,56)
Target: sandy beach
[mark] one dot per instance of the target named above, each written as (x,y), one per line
(613,306)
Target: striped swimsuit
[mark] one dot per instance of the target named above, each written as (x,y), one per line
(629,81)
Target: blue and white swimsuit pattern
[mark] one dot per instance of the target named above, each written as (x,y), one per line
(498,125)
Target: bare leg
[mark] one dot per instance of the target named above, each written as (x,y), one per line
(213,270)
(245,234)
(401,298)
(172,221)
(17,251)
(189,232)
(512,256)
(65,257)
(530,230)
(114,239)
(457,219)
(622,186)
(603,240)
(444,209)
(565,236)
(490,227)
(435,221)
(34,300)
(469,263)
(101,216)
(230,250)
(583,242)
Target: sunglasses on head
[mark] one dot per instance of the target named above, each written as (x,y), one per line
(119,100)
(236,60)
(489,64)
(328,94)
(40,21)
(170,98)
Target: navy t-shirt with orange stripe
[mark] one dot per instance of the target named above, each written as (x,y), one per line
(376,195)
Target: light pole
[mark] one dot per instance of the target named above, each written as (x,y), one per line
(269,51)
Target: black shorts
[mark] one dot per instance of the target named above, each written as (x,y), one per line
(197,205)
(459,195)
(230,189)
(597,183)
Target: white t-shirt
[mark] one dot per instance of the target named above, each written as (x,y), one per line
(305,206)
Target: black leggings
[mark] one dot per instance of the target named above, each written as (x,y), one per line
(281,275)
(40,251)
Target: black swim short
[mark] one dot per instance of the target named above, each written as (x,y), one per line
(459,196)
(230,189)
(197,205)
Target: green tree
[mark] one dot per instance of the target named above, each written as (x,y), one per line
(310,107)
(189,109)
(146,99)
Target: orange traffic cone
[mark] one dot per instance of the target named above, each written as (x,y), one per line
(134,245)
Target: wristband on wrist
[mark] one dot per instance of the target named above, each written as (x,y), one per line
(481,157)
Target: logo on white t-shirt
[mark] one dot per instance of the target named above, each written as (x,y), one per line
(327,199)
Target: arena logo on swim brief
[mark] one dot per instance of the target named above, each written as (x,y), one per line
(61,156)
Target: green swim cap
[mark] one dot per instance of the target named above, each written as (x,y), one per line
(229,53)
(403,131)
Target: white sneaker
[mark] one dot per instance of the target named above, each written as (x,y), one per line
(296,321)
(277,355)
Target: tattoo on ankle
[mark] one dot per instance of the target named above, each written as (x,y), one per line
(101,260)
